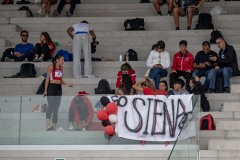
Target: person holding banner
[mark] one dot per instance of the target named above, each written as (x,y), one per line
(148,88)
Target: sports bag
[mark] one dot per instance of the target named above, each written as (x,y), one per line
(131,55)
(27,70)
(214,35)
(207,123)
(134,24)
(204,21)
(67,56)
(103,87)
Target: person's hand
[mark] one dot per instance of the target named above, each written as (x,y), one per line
(70,84)
(67,1)
(17,54)
(158,65)
(188,71)
(202,65)
(44,93)
(197,78)
(213,58)
(174,71)
(217,67)
(207,63)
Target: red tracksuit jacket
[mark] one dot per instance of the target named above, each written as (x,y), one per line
(183,62)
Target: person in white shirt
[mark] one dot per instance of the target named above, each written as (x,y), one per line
(158,61)
(80,34)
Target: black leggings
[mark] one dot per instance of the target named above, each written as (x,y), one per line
(44,49)
(54,93)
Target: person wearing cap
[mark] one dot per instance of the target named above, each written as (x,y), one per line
(158,62)
(80,32)
(178,88)
(80,111)
(182,65)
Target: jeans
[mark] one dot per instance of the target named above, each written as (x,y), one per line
(156,74)
(225,72)
(203,73)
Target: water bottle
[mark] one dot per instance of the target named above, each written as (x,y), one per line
(120,57)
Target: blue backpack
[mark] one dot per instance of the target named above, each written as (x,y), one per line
(67,56)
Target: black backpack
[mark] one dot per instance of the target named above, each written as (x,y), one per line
(6,53)
(25,8)
(41,88)
(214,35)
(204,21)
(144,1)
(103,87)
(27,70)
(131,54)
(219,85)
(134,24)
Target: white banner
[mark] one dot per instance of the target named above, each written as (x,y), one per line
(154,118)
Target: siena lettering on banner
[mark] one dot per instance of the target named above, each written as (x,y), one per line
(154,118)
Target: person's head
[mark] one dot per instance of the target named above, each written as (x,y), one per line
(192,82)
(24,35)
(84,22)
(178,84)
(220,41)
(161,45)
(163,85)
(183,46)
(58,60)
(126,83)
(148,83)
(125,68)
(206,47)
(45,37)
(155,47)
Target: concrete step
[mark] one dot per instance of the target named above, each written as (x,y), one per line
(231,107)
(4,42)
(4,21)
(16,14)
(9,28)
(228,125)
(235,87)
(232,145)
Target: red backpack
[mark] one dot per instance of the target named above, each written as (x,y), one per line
(7,2)
(207,123)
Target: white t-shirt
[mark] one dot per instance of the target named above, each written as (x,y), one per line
(81,27)
(155,57)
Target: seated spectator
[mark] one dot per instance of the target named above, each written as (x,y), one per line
(46,5)
(125,69)
(227,65)
(80,111)
(126,86)
(203,64)
(147,88)
(158,61)
(182,65)
(62,3)
(185,8)
(178,88)
(23,51)
(163,86)
(198,89)
(158,3)
(45,49)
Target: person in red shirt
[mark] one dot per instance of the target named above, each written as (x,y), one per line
(44,50)
(148,88)
(125,69)
(182,65)
(80,111)
(163,86)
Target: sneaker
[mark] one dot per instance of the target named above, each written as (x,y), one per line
(25,60)
(46,15)
(40,12)
(60,129)
(77,76)
(226,90)
(210,91)
(7,59)
(70,128)
(35,59)
(89,76)
(168,14)
(40,60)
(68,14)
(55,13)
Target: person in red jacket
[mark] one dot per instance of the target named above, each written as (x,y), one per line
(80,111)
(125,69)
(182,65)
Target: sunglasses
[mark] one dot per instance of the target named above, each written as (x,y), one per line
(24,35)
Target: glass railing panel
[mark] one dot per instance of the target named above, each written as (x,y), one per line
(9,120)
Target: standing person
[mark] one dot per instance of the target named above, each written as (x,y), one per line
(53,90)
(44,50)
(185,8)
(158,61)
(80,111)
(227,65)
(80,34)
(182,65)
(158,3)
(62,3)
(23,51)
(203,64)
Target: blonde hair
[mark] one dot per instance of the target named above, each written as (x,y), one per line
(149,83)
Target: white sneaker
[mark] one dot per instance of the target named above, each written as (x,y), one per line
(70,128)
(60,129)
(35,59)
(40,12)
(78,76)
(89,76)
(7,59)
